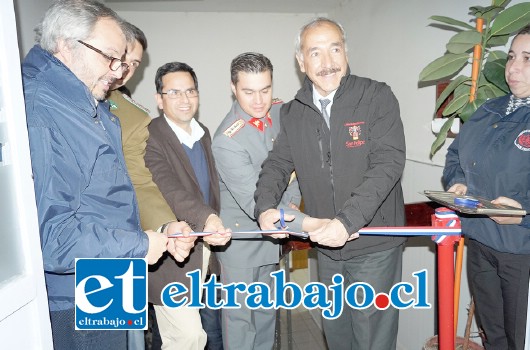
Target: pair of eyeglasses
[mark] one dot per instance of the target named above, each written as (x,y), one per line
(115,63)
(190,93)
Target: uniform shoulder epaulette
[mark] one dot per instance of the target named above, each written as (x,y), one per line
(234,128)
(136,104)
(276,101)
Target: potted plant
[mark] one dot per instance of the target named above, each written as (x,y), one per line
(476,45)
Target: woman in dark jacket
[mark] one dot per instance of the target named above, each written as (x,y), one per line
(491,158)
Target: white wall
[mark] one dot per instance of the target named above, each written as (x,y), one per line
(28,14)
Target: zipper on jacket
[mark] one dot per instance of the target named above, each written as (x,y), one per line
(330,162)
(320,148)
(100,122)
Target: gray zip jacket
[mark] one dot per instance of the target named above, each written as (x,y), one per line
(350,171)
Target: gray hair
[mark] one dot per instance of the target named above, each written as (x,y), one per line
(315,23)
(73,20)
(249,62)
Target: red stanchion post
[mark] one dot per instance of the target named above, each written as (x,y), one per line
(444,217)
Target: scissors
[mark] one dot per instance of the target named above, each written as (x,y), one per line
(282,226)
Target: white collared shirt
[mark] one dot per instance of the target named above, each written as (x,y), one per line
(317,97)
(187,139)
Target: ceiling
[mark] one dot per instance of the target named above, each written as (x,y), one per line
(267,6)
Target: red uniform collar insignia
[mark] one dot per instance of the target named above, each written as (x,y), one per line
(257,123)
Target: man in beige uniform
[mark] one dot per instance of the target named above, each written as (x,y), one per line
(154,211)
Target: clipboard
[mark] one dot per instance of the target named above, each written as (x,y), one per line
(483,206)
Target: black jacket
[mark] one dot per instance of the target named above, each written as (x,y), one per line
(350,171)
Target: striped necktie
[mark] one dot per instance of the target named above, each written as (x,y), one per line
(324,102)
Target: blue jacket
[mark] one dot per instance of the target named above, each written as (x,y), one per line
(85,200)
(491,156)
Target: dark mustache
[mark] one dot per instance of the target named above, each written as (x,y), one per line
(328,71)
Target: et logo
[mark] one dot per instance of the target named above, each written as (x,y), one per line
(110,294)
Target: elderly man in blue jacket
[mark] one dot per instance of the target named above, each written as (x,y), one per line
(85,200)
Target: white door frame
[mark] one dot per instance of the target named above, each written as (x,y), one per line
(24,317)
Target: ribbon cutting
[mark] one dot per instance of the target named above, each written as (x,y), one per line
(388,231)
(445,232)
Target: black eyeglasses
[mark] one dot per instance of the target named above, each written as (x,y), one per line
(115,63)
(190,93)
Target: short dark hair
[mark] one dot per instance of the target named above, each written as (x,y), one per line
(249,62)
(137,35)
(173,67)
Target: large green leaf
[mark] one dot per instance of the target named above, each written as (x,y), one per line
(511,19)
(497,55)
(468,110)
(449,89)
(444,67)
(463,89)
(499,40)
(484,93)
(463,41)
(492,91)
(460,98)
(494,72)
(442,135)
(451,21)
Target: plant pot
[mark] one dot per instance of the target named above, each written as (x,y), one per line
(432,344)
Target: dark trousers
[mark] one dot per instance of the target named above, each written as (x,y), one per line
(153,341)
(370,328)
(499,285)
(66,337)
